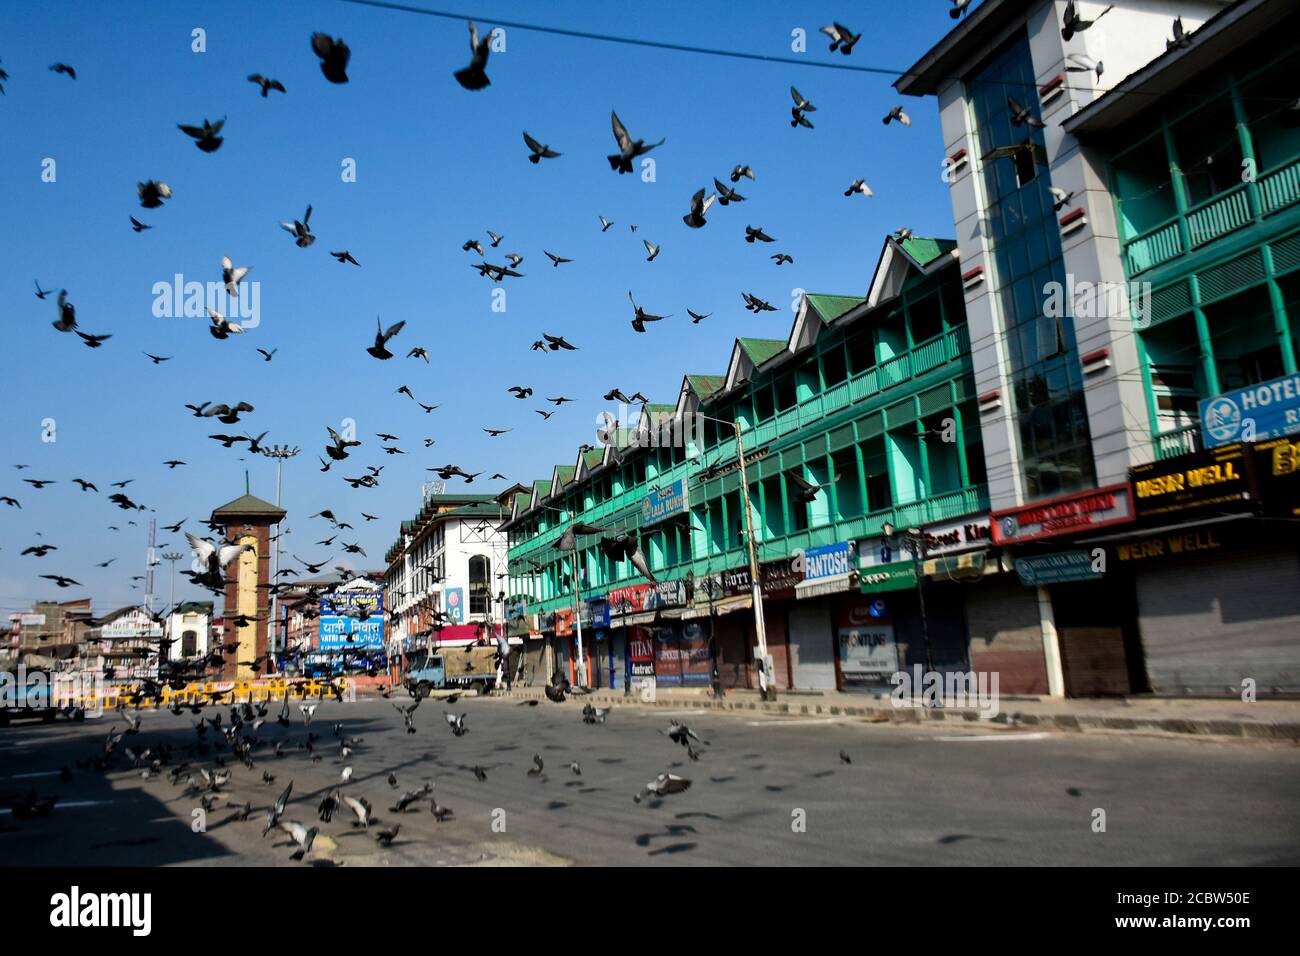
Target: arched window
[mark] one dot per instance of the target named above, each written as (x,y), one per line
(480,586)
(189,640)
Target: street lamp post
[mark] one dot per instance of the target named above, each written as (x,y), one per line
(279,453)
(173,557)
(914,541)
(765,687)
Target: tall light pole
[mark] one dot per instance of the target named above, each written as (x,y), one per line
(765,687)
(173,557)
(914,540)
(279,453)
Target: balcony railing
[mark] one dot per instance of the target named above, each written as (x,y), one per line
(1215,217)
(922,358)
(941,507)
(1180,441)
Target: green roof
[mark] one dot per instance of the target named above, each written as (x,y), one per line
(760,350)
(565,475)
(543,488)
(593,457)
(659,408)
(926,251)
(248,505)
(706,385)
(831,307)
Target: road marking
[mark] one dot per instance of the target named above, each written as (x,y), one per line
(795,721)
(42,773)
(979,737)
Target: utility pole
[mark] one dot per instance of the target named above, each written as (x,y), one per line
(173,557)
(765,687)
(279,453)
(915,542)
(577,620)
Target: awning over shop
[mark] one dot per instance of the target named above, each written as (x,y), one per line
(957,567)
(823,586)
(725,606)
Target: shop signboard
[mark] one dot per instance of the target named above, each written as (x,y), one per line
(1058,567)
(888,577)
(1255,413)
(1076,513)
(641,661)
(341,623)
(1211,481)
(778,579)
(627,600)
(828,561)
(1182,543)
(670,501)
(563,621)
(666,594)
(1277,476)
(867,649)
(454,603)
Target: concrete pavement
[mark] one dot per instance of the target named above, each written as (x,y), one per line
(769,788)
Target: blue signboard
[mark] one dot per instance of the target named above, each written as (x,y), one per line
(341,620)
(666,502)
(1057,567)
(828,561)
(454,605)
(1256,413)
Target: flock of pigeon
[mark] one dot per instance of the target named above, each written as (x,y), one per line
(237,754)
(334,57)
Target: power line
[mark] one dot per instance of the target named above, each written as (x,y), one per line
(630,41)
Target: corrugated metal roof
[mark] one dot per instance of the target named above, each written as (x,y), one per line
(831,307)
(760,350)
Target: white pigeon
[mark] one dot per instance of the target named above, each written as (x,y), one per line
(222,327)
(346,774)
(663,785)
(652,249)
(215,559)
(361,808)
(232,275)
(308,711)
(302,836)
(859,186)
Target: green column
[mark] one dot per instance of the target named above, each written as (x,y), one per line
(1247,149)
(963,470)
(1180,189)
(1280,322)
(1208,368)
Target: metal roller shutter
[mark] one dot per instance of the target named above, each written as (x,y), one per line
(1208,623)
(812,651)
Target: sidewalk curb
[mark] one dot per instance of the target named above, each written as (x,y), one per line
(1073,723)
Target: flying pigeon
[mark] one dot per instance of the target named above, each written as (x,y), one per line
(628,148)
(379,350)
(266,83)
(538,151)
(334,55)
(205,136)
(474,76)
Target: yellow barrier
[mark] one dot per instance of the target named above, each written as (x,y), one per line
(231,692)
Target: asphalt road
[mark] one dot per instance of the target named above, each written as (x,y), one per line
(911,795)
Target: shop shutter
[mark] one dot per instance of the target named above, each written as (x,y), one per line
(1209,623)
(812,652)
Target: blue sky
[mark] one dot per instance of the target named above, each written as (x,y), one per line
(436,165)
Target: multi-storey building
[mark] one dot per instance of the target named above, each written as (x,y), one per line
(445,577)
(1126,204)
(871,399)
(1098,398)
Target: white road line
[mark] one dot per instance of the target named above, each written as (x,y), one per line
(42,773)
(979,737)
(793,722)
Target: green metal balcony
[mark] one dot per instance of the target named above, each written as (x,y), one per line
(1215,217)
(941,507)
(942,349)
